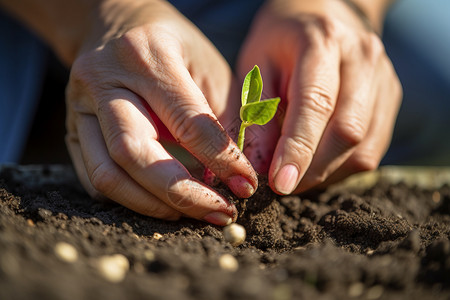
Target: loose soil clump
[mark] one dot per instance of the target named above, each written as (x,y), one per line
(390,241)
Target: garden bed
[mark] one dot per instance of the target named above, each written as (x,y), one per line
(383,235)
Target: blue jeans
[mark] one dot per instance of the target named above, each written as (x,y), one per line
(417,39)
(22,65)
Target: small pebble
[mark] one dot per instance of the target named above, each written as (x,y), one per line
(370,252)
(9,264)
(30,223)
(375,292)
(44,213)
(113,268)
(149,255)
(66,252)
(356,290)
(139,268)
(157,236)
(234,234)
(282,291)
(412,241)
(228,262)
(436,196)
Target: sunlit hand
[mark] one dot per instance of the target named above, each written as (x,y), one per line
(339,91)
(150,57)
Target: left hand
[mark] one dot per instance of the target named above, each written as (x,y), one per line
(340,93)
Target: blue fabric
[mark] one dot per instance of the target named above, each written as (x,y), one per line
(21,74)
(224,22)
(417,39)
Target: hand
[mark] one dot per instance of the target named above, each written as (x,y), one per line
(151,58)
(340,94)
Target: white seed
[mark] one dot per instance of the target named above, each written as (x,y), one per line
(114,267)
(356,290)
(375,292)
(228,262)
(66,252)
(149,255)
(157,236)
(234,234)
(436,197)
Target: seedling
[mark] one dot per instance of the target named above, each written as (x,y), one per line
(253,110)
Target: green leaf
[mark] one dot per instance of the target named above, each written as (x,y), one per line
(259,113)
(252,87)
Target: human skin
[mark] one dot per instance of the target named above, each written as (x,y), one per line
(340,93)
(127,58)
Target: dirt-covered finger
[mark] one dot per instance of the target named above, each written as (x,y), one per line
(182,107)
(102,176)
(131,142)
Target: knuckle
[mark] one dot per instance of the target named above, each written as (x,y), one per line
(317,99)
(301,146)
(396,87)
(128,48)
(373,48)
(184,126)
(198,132)
(320,31)
(364,161)
(150,53)
(103,180)
(183,192)
(316,179)
(124,148)
(349,132)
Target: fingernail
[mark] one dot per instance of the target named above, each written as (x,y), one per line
(286,179)
(218,218)
(240,186)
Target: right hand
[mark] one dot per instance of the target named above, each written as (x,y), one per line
(151,57)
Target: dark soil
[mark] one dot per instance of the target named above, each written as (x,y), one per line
(386,242)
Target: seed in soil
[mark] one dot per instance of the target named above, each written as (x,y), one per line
(234,234)
(113,268)
(157,236)
(66,252)
(228,262)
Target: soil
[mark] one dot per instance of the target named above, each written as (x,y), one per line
(390,241)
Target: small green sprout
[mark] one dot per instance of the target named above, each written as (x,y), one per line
(253,110)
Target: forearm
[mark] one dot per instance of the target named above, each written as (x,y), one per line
(375,10)
(368,11)
(62,24)
(68,26)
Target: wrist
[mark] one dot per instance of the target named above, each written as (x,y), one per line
(371,13)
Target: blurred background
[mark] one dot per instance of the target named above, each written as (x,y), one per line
(417,39)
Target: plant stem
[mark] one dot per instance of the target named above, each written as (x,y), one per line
(241,136)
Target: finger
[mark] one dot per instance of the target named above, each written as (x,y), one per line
(102,177)
(184,110)
(312,93)
(350,121)
(131,142)
(370,151)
